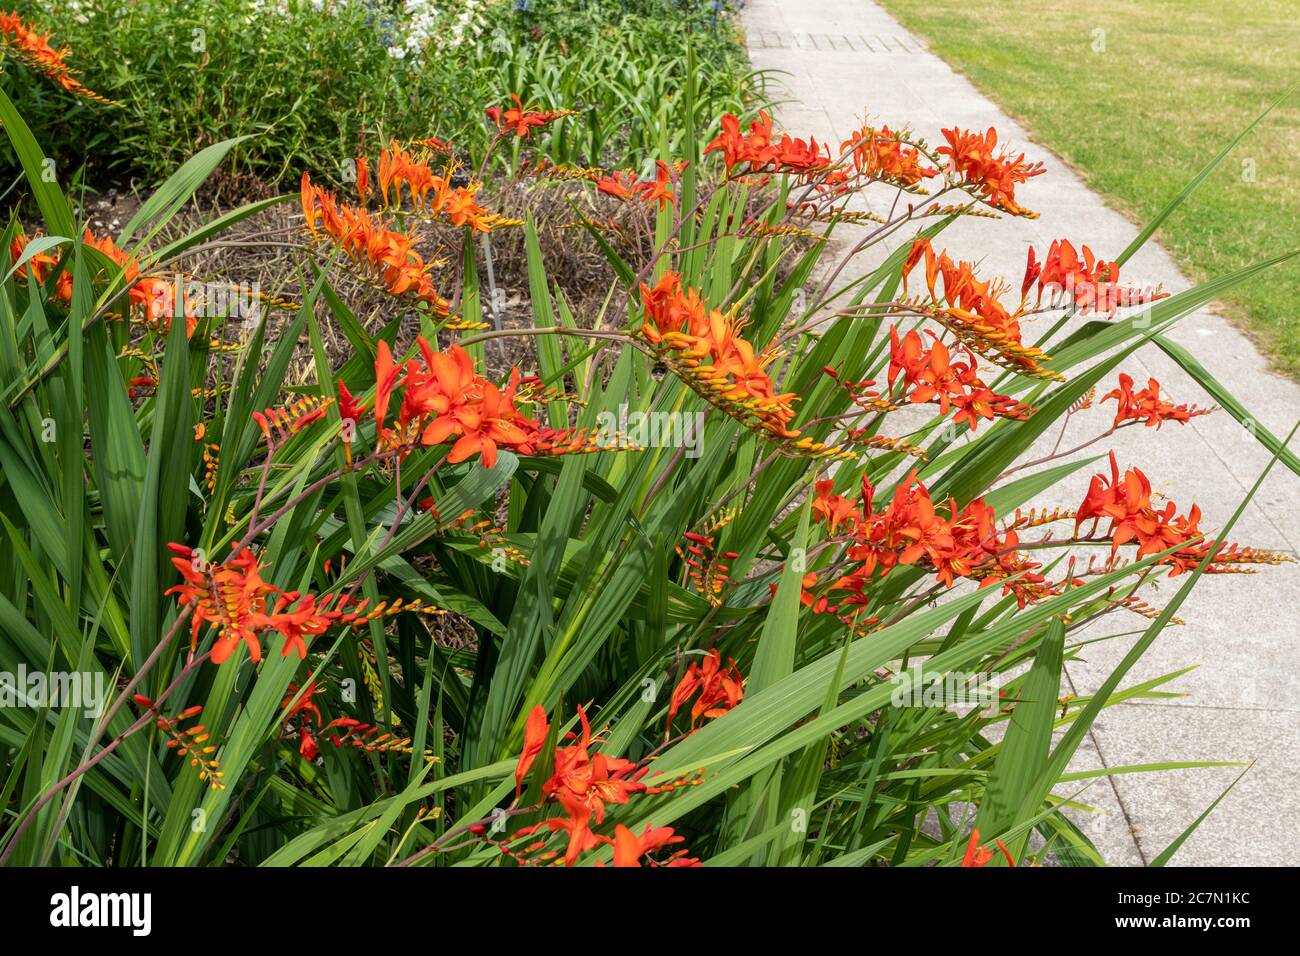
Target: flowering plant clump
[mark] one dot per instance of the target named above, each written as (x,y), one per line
(643,595)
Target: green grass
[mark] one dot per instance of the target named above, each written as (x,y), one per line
(1176,80)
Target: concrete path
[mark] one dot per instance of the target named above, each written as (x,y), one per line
(846,59)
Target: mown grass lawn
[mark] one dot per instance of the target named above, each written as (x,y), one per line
(1139,109)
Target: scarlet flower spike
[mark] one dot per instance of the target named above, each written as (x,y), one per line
(350,412)
(717,689)
(382,255)
(1126,503)
(152,299)
(706,574)
(630,849)
(430,193)
(1147,406)
(370,739)
(445,400)
(189,743)
(973,311)
(625,186)
(934,377)
(285,421)
(759,150)
(952,542)
(308,715)
(703,348)
(522,121)
(241,606)
(976,855)
(362,166)
(885,155)
(536,731)
(1087,283)
(583,784)
(36,52)
(991,175)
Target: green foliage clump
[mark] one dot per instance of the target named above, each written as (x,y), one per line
(314,84)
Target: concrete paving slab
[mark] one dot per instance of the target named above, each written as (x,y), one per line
(1255,823)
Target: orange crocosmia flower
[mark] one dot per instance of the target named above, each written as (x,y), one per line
(581,837)
(749,380)
(522,121)
(363,178)
(630,848)
(432,193)
(37,53)
(1147,405)
(306,705)
(535,731)
(993,176)
(387,257)
(922,532)
(882,154)
(1120,500)
(152,298)
(719,688)
(37,267)
(446,400)
(1126,502)
(660,189)
(1089,283)
(976,855)
(621,185)
(952,542)
(398,168)
(712,357)
(304,708)
(296,624)
(973,308)
(668,309)
(461,209)
(760,151)
(799,156)
(472,410)
(230,597)
(736,148)
(350,410)
(832,508)
(966,296)
(583,783)
(934,377)
(387,377)
(624,185)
